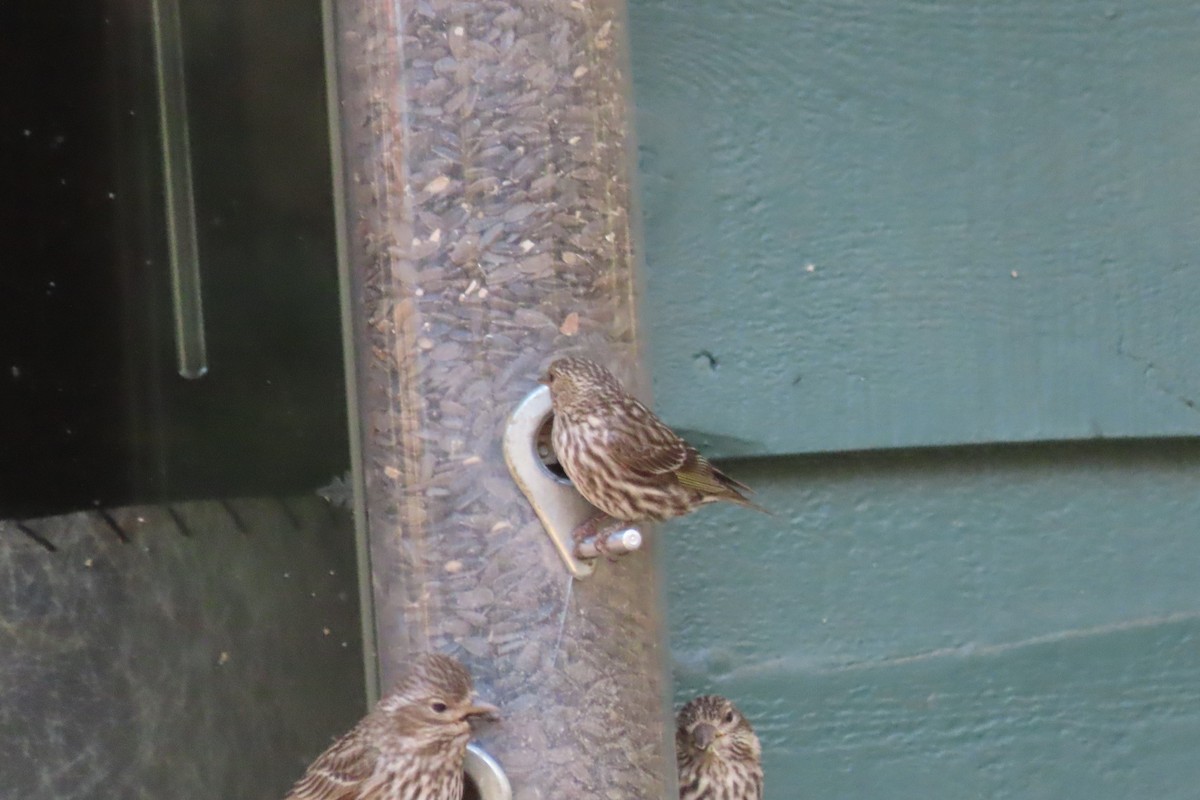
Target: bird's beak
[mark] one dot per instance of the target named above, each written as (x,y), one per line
(703,735)
(544,380)
(484,710)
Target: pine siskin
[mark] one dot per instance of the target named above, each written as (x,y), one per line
(717,751)
(410,747)
(621,457)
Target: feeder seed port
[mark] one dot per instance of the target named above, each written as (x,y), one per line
(559,507)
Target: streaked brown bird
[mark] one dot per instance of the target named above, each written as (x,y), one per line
(410,747)
(717,751)
(621,457)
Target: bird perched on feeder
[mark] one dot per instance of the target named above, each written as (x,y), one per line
(410,747)
(622,458)
(717,751)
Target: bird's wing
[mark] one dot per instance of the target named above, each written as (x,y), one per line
(343,772)
(697,473)
(645,445)
(641,442)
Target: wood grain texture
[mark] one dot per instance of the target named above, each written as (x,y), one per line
(886,224)
(1000,622)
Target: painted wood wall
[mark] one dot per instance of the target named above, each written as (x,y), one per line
(926,273)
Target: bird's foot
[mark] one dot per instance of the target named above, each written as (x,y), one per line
(605,536)
(588,532)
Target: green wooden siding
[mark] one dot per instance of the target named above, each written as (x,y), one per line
(994,622)
(884,224)
(1000,204)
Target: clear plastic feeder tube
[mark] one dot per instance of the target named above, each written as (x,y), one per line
(486,156)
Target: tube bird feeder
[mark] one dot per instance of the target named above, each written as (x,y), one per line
(484,165)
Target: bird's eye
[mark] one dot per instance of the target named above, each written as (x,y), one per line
(729,718)
(439,707)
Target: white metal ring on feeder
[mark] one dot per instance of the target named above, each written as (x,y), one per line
(486,774)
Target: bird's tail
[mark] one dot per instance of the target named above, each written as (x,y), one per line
(736,491)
